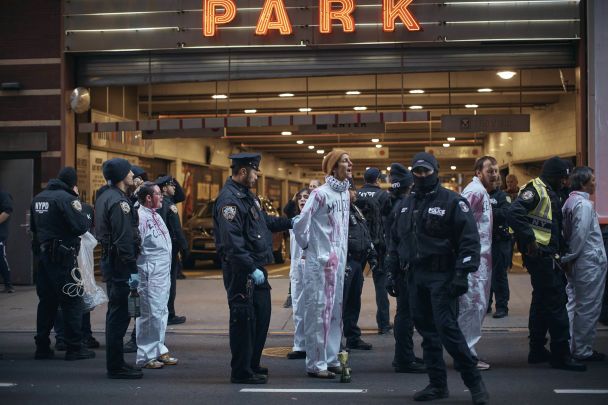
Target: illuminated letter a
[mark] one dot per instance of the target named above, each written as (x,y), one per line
(281,22)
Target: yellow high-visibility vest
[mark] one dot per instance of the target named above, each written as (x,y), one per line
(541,217)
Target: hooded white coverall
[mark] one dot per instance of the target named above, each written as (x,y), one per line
(296,276)
(587,277)
(474,304)
(322,231)
(154,267)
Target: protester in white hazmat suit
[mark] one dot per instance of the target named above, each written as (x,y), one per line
(585,265)
(154,268)
(296,276)
(474,304)
(322,232)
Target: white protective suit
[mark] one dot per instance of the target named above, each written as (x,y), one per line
(322,230)
(587,277)
(154,266)
(296,276)
(474,304)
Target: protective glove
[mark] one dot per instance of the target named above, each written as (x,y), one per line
(133,281)
(258,276)
(459,284)
(373,264)
(391,286)
(294,219)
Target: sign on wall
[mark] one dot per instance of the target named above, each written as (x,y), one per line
(486,123)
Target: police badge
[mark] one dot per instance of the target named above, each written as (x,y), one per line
(229,212)
(527,195)
(463,206)
(124,206)
(173,208)
(76,205)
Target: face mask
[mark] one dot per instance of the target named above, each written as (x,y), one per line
(426,184)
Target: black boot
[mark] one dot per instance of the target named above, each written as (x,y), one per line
(431,393)
(538,355)
(81,354)
(567,363)
(479,394)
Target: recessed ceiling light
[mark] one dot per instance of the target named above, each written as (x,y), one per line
(388,168)
(409,168)
(311,147)
(219,96)
(286,133)
(471,105)
(501,144)
(375,140)
(451,138)
(453,167)
(378,146)
(300,142)
(367,168)
(251,111)
(417,91)
(383,171)
(446,145)
(353,93)
(415,107)
(485,90)
(506,74)
(320,151)
(305,109)
(359,108)
(286,95)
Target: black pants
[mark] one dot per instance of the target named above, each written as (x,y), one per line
(548,307)
(59,326)
(351,305)
(435,316)
(501,251)
(49,284)
(382,303)
(404,326)
(175,267)
(117,322)
(5,270)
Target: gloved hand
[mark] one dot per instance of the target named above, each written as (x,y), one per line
(459,284)
(258,276)
(133,281)
(373,264)
(391,286)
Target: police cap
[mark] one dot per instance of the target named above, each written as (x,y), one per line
(246,159)
(164,181)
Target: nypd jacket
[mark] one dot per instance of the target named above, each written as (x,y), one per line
(435,231)
(360,244)
(168,212)
(500,202)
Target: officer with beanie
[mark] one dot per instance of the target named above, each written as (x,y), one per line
(375,205)
(404,360)
(536,218)
(116,229)
(57,221)
(436,239)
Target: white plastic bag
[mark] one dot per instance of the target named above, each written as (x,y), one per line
(93,294)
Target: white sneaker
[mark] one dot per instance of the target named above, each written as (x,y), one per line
(482,365)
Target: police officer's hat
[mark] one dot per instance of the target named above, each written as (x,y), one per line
(164,181)
(246,159)
(139,172)
(115,170)
(426,160)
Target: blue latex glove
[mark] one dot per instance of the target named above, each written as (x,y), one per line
(133,281)
(258,276)
(294,220)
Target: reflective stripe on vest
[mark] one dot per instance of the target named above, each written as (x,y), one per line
(541,217)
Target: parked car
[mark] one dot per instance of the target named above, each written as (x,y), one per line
(201,241)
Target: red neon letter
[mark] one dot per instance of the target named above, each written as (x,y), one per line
(281,21)
(390,12)
(211,20)
(327,13)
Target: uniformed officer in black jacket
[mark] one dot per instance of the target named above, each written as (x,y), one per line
(241,234)
(536,218)
(168,212)
(501,251)
(435,235)
(116,229)
(57,221)
(360,251)
(404,361)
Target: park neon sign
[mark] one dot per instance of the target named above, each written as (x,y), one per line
(274,16)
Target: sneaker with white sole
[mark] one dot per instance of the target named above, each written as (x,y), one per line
(482,365)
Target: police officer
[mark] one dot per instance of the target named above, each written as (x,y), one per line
(405,360)
(57,221)
(536,218)
(116,229)
(360,251)
(168,212)
(376,205)
(501,250)
(241,234)
(436,237)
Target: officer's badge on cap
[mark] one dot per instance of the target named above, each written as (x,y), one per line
(246,159)
(76,205)
(124,206)
(229,212)
(463,206)
(173,208)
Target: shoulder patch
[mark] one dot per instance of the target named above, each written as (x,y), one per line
(527,195)
(76,205)
(463,206)
(173,208)
(508,198)
(229,212)
(125,207)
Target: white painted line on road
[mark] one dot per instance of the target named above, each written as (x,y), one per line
(575,391)
(306,390)
(7,385)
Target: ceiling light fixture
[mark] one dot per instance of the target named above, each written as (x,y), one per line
(353,93)
(320,151)
(506,74)
(299,142)
(359,108)
(305,109)
(378,146)
(451,138)
(471,105)
(446,145)
(374,140)
(453,167)
(311,147)
(388,168)
(219,96)
(286,95)
(409,168)
(485,90)
(367,168)
(286,133)
(417,91)
(251,111)
(415,107)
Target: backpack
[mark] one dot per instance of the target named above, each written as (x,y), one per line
(370,207)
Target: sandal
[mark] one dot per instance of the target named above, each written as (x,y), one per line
(325,374)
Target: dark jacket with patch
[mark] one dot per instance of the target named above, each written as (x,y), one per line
(242,231)
(360,244)
(168,212)
(500,202)
(56,214)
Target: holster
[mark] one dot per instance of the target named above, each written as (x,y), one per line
(59,252)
